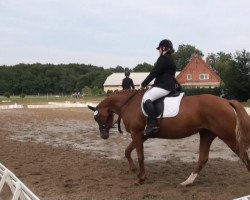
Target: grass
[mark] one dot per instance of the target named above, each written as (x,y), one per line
(46,99)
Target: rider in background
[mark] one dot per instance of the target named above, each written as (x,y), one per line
(164,74)
(127,83)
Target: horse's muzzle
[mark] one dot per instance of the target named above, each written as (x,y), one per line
(104,134)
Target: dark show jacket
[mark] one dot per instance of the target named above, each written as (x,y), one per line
(163,72)
(127,83)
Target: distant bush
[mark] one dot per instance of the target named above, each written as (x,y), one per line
(7,94)
(87,91)
(109,92)
(197,91)
(22,95)
(95,91)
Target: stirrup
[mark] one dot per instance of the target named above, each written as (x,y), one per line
(150,131)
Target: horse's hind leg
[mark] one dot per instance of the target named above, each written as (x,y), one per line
(246,161)
(206,139)
(245,158)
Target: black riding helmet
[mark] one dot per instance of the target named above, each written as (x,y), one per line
(127,72)
(166,43)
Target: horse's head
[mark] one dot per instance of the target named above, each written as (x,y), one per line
(104,118)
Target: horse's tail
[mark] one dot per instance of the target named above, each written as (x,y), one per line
(242,129)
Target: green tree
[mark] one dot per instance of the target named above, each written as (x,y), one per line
(95,91)
(87,91)
(220,63)
(145,67)
(238,82)
(183,55)
(3,86)
(119,69)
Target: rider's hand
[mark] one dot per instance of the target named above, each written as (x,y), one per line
(141,88)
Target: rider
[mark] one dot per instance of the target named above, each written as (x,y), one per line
(127,83)
(164,74)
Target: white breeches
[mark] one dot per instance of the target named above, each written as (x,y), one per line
(154,93)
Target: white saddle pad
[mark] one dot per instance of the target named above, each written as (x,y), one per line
(171,106)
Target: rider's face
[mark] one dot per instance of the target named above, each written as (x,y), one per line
(163,50)
(160,51)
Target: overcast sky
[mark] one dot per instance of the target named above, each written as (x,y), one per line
(117,32)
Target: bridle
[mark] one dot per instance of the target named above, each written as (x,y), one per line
(103,127)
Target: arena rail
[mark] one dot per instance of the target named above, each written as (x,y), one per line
(18,189)
(244,198)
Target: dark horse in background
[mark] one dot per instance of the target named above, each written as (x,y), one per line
(209,115)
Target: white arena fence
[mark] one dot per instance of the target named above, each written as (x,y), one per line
(18,189)
(244,198)
(11,106)
(62,105)
(50,105)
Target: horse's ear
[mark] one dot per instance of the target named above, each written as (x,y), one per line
(92,108)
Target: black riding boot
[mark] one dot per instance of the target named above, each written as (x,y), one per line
(152,127)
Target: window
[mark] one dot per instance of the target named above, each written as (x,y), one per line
(189,76)
(204,76)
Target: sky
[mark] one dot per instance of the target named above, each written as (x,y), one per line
(110,33)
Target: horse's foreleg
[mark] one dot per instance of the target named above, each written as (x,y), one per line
(206,139)
(138,141)
(128,151)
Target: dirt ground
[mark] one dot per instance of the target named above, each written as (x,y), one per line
(59,155)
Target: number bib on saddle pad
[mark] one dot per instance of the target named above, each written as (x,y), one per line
(166,106)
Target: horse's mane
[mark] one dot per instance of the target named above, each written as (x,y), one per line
(118,92)
(122,91)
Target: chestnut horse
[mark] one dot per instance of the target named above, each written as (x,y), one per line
(209,115)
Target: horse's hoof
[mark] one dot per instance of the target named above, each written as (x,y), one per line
(139,182)
(181,185)
(184,185)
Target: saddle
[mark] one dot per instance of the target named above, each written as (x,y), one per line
(167,106)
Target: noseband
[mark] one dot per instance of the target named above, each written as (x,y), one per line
(102,127)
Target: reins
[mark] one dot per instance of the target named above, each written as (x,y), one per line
(136,91)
